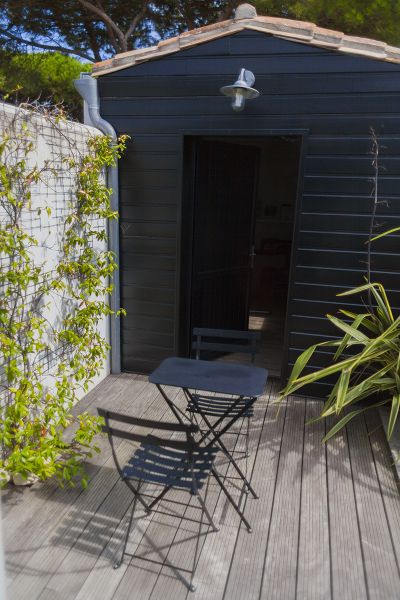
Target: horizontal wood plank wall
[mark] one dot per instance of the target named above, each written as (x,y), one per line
(336,97)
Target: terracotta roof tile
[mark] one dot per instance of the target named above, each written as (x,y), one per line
(287,28)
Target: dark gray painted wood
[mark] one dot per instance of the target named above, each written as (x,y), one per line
(337,98)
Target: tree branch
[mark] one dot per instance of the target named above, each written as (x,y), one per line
(135,21)
(93,40)
(227,12)
(58,47)
(106,19)
(185,14)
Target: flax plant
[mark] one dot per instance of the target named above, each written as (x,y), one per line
(374,369)
(366,359)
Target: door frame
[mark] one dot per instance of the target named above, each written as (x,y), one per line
(185,227)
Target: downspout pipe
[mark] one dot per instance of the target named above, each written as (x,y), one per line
(87,88)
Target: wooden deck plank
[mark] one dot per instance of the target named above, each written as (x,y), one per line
(347,570)
(387,476)
(216,557)
(154,545)
(103,580)
(279,578)
(246,569)
(44,560)
(168,583)
(313,579)
(17,507)
(334,530)
(113,510)
(182,549)
(42,506)
(12,499)
(379,559)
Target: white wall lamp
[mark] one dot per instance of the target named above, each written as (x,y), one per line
(241,90)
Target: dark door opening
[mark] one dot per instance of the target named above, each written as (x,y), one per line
(243,196)
(222,234)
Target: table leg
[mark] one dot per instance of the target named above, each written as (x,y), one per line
(217,435)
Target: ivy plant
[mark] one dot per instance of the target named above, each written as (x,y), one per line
(39,433)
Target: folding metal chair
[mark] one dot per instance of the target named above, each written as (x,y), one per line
(167,462)
(223,407)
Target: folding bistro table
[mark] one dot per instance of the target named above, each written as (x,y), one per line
(244,382)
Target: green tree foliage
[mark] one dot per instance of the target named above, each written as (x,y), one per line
(95,30)
(378,19)
(42,76)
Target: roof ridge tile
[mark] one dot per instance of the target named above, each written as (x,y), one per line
(301,31)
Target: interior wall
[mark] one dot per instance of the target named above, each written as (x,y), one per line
(274,220)
(277,188)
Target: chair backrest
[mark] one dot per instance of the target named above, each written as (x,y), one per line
(112,416)
(225,340)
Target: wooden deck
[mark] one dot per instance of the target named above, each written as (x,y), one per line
(327,524)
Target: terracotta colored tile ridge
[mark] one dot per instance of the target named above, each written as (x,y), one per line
(302,31)
(171,44)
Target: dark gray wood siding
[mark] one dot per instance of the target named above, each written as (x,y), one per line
(337,98)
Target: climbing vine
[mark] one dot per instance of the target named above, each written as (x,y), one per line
(45,362)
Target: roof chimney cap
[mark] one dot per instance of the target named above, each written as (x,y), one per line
(245,11)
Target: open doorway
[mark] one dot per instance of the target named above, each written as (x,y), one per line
(242,195)
(275,206)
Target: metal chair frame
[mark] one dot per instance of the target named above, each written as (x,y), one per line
(188,450)
(201,341)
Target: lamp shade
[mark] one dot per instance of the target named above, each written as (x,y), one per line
(241,90)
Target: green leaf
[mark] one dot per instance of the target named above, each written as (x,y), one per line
(394,411)
(388,232)
(301,362)
(349,329)
(358,320)
(336,428)
(342,388)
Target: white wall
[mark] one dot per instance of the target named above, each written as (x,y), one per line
(52,142)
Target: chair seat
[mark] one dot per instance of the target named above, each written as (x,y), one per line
(169,467)
(216,406)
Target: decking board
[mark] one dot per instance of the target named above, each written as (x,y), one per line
(245,576)
(326,526)
(313,560)
(112,510)
(215,561)
(347,561)
(380,560)
(280,569)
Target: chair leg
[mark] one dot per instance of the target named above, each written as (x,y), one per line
(118,562)
(231,500)
(247,454)
(247,440)
(205,511)
(228,455)
(248,486)
(158,498)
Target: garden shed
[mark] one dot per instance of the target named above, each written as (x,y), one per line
(261,214)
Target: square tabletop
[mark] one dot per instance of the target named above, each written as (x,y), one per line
(220,377)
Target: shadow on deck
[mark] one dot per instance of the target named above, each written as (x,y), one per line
(327,524)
